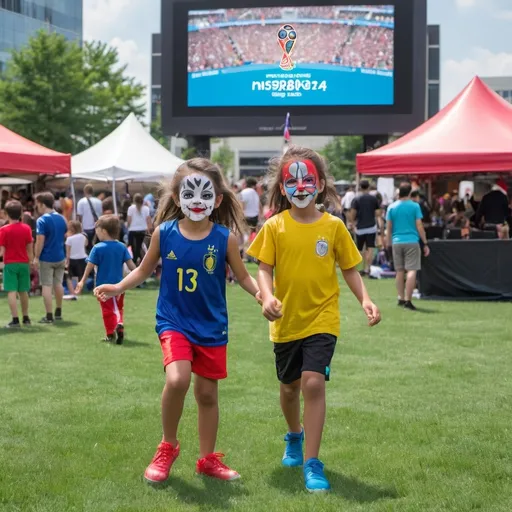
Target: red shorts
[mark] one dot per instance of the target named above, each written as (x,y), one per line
(207,362)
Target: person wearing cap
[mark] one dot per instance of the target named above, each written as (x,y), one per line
(494,210)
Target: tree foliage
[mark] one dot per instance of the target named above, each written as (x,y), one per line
(66,97)
(156,129)
(224,158)
(341,155)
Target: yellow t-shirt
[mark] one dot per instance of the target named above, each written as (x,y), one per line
(304,258)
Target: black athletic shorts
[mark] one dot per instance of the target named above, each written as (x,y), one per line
(311,354)
(77,268)
(252,222)
(366,240)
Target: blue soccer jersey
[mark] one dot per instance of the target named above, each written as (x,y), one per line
(192,298)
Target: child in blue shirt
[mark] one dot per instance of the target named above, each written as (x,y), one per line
(109,256)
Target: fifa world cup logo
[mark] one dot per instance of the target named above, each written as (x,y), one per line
(287,37)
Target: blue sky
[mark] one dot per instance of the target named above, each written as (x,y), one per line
(473,36)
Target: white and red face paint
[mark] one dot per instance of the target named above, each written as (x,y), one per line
(300,182)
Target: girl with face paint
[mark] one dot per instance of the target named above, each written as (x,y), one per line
(196,219)
(300,248)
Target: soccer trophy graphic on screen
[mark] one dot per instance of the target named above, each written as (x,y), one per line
(287,37)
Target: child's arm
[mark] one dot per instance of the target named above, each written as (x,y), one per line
(39,248)
(30,251)
(131,266)
(271,306)
(246,281)
(357,287)
(88,269)
(68,253)
(138,276)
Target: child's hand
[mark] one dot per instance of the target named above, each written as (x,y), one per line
(272,309)
(79,287)
(106,291)
(259,299)
(372,313)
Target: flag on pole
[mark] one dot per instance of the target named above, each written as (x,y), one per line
(286,135)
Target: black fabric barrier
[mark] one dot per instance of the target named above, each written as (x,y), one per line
(467,270)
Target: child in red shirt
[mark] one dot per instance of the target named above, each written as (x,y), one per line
(17,243)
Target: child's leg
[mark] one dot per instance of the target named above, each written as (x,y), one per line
(177,382)
(12,299)
(24,303)
(290,405)
(318,351)
(313,391)
(206,393)
(110,316)
(119,304)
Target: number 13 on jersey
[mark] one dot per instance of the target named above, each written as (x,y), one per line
(191,281)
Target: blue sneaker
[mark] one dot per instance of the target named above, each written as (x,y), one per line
(314,476)
(293,456)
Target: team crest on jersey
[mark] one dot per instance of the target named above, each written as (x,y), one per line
(322,247)
(210,259)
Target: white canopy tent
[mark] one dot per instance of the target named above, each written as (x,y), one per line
(129,153)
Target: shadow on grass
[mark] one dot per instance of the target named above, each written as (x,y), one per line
(426,311)
(208,493)
(23,331)
(66,323)
(291,480)
(128,343)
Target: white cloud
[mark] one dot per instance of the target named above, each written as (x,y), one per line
(465,3)
(108,21)
(482,62)
(101,16)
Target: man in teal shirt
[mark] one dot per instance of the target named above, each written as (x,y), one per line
(404,232)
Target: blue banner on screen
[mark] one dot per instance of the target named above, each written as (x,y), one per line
(291,56)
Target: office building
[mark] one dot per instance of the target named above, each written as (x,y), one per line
(502,85)
(21,19)
(433,70)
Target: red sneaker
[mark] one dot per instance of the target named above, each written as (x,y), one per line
(160,467)
(212,466)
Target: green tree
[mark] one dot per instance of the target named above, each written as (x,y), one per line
(341,154)
(66,97)
(189,153)
(156,129)
(43,92)
(113,94)
(224,157)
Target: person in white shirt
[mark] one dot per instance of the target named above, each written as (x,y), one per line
(89,210)
(139,223)
(251,203)
(76,254)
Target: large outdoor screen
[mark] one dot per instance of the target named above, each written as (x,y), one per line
(327,55)
(238,67)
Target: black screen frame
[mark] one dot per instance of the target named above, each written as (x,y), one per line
(408,110)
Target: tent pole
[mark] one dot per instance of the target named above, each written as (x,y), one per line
(72,184)
(114,198)
(358,181)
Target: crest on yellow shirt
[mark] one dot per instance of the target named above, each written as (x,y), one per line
(322,247)
(210,259)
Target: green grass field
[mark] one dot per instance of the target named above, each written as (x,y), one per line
(419,414)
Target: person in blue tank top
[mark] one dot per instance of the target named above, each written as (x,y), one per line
(194,241)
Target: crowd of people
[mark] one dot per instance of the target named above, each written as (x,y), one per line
(310,12)
(342,45)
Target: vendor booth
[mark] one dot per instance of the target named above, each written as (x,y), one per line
(472,134)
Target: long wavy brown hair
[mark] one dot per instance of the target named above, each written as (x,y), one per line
(279,203)
(229,213)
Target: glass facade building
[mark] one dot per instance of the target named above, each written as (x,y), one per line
(434,70)
(20,19)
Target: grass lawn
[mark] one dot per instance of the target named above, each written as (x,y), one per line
(419,414)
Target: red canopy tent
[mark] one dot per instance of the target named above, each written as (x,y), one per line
(473,133)
(19,155)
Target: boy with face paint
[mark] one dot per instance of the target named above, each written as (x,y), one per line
(194,241)
(304,246)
